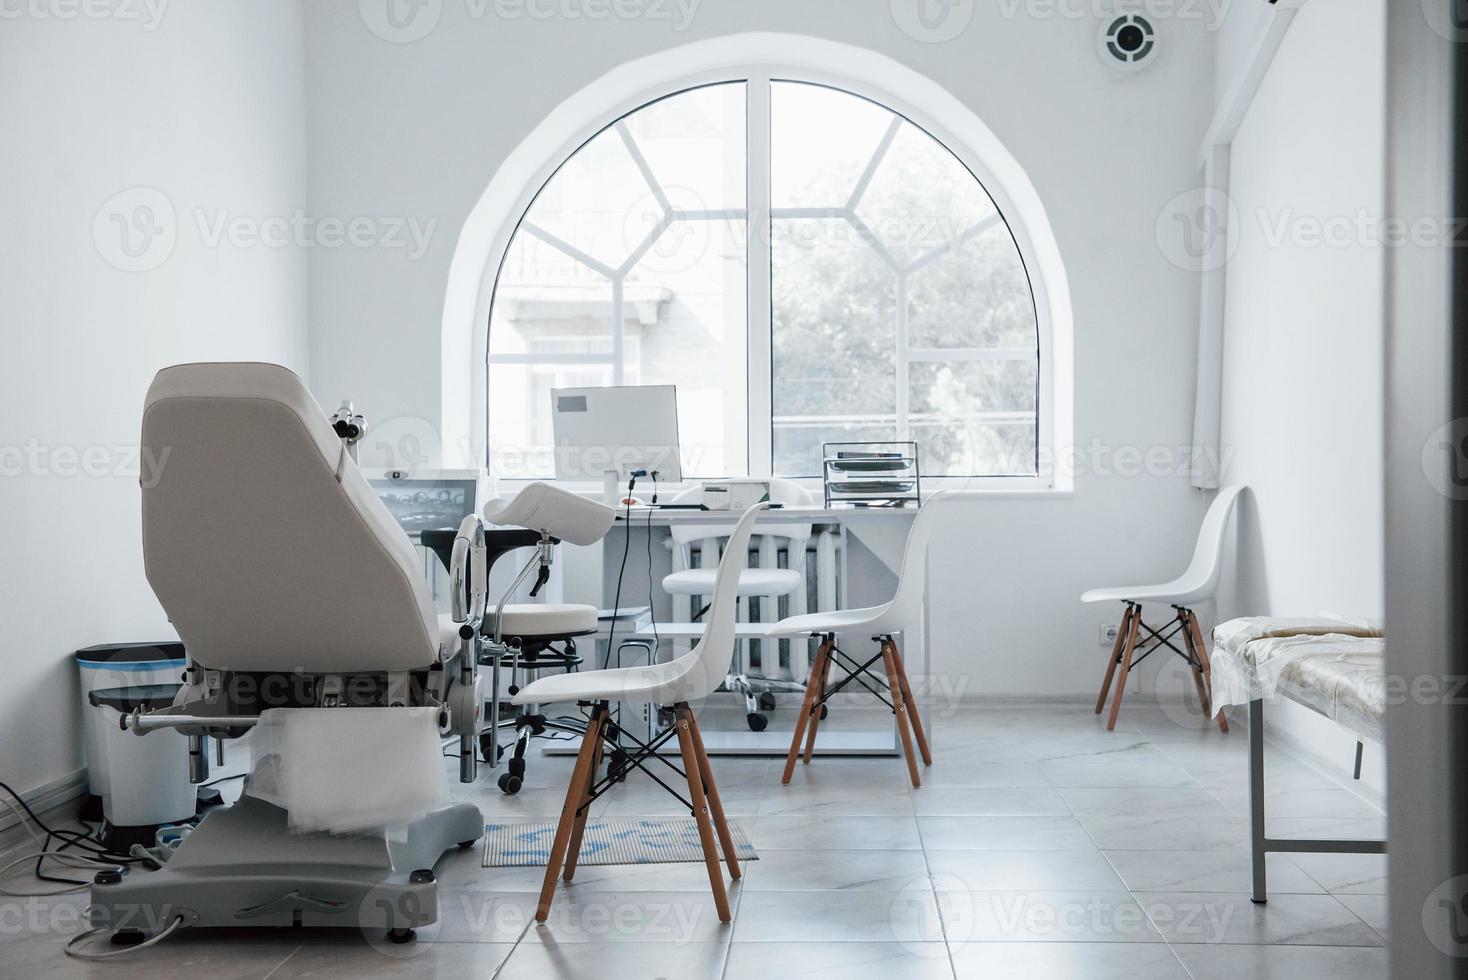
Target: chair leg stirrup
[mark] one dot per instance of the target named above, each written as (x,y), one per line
(575,793)
(701,812)
(889,660)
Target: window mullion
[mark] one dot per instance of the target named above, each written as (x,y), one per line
(904,388)
(618,330)
(759,365)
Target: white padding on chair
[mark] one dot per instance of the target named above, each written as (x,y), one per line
(261,538)
(348,770)
(560,513)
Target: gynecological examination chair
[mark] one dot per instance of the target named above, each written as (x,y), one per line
(302,607)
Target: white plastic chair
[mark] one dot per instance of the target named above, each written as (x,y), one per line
(1197,584)
(904,612)
(768,582)
(673,684)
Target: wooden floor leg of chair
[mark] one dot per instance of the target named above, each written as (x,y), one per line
(574,793)
(900,709)
(1121,631)
(1207,670)
(812,687)
(578,828)
(716,805)
(1128,648)
(815,713)
(701,811)
(913,715)
(1195,662)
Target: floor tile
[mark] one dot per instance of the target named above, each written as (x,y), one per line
(1283,963)
(833,833)
(1348,874)
(975,870)
(1157,819)
(1208,871)
(989,801)
(838,961)
(910,915)
(420,959)
(1066,961)
(1300,920)
(1371,909)
(1095,916)
(609,917)
(1003,833)
(553,960)
(1017,775)
(803,870)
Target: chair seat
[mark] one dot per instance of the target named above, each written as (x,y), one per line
(536,620)
(871,619)
(665,683)
(752,582)
(1178,593)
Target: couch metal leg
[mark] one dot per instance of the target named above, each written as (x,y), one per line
(1256,799)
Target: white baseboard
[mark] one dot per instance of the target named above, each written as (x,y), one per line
(47,796)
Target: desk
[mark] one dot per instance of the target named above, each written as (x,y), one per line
(860,547)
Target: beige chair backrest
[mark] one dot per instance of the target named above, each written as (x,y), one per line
(261,538)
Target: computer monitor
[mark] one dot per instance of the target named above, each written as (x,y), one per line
(604,434)
(426,500)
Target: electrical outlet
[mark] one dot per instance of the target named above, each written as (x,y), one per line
(1108,634)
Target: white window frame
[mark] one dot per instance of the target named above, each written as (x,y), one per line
(759,416)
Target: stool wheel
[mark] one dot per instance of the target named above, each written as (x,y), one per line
(489,748)
(510,783)
(401,936)
(757,721)
(825,710)
(617,766)
(767,701)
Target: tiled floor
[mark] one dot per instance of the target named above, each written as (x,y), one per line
(1041,846)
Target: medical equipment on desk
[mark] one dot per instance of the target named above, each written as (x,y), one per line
(734,495)
(591,443)
(311,624)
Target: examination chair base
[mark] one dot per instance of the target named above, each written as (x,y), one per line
(241,867)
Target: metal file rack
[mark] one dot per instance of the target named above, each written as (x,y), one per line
(871,474)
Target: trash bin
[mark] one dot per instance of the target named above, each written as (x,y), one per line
(109,665)
(146,777)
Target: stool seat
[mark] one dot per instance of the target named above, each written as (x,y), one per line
(538,620)
(754,582)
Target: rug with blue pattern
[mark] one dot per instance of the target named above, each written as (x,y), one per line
(666,840)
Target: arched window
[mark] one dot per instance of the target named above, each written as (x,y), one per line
(805,264)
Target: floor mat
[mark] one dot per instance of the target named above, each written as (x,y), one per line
(667,840)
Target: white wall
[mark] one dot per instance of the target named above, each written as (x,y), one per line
(205,105)
(1303,406)
(417,129)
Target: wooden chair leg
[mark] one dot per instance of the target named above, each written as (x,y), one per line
(817,670)
(574,794)
(1121,631)
(1128,648)
(701,811)
(578,828)
(1195,663)
(913,715)
(716,805)
(900,709)
(1207,670)
(815,712)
